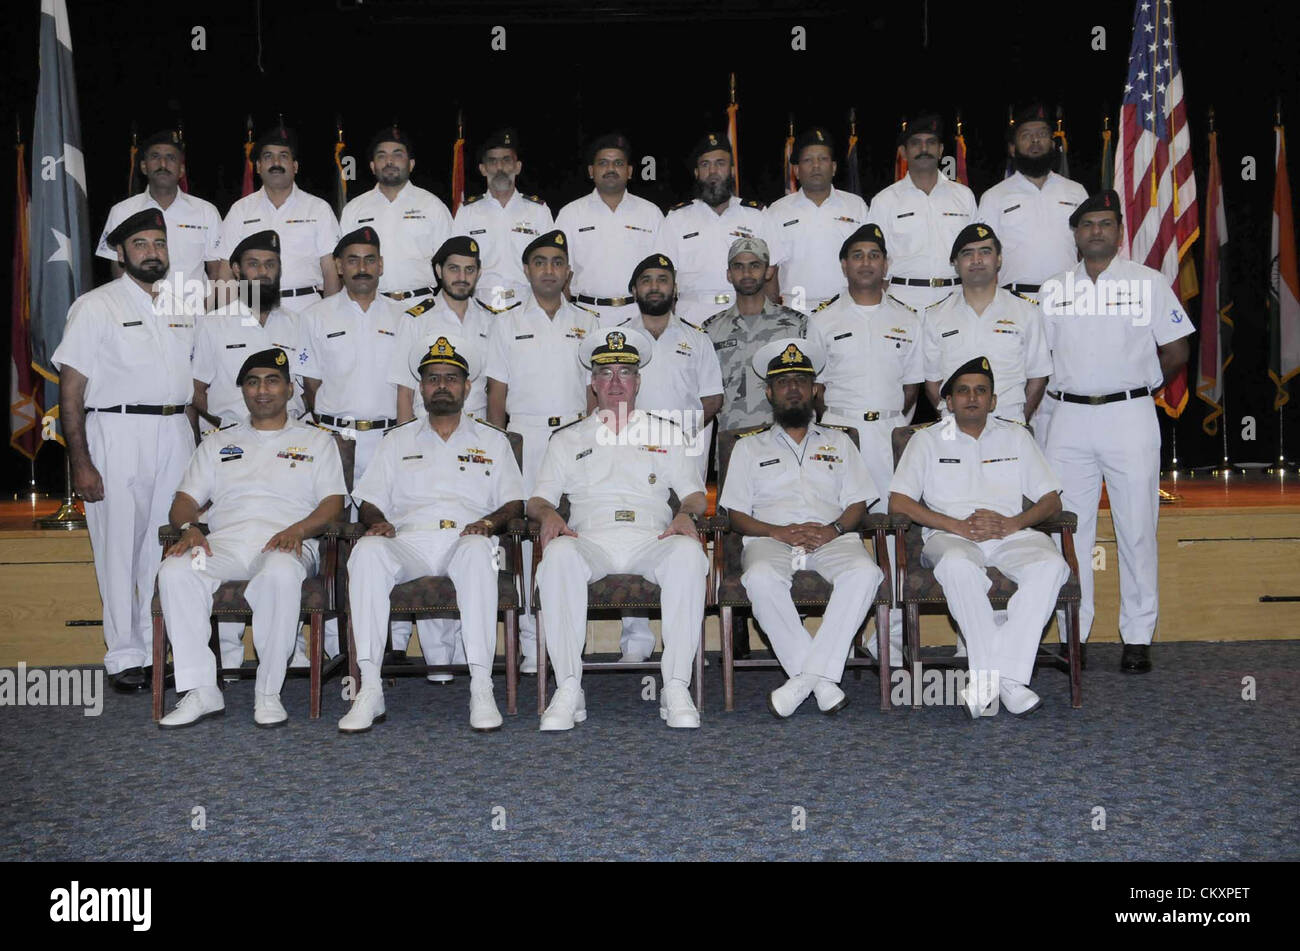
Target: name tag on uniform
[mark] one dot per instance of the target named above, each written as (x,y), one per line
(337,333)
(951,460)
(954,214)
(251,221)
(792,221)
(1012,208)
(725,344)
(229,453)
(693,234)
(588,228)
(582,455)
(843,335)
(524,337)
(418,455)
(949,333)
(133,323)
(238,346)
(1003,459)
(624,515)
(479,231)
(386,333)
(362,221)
(769,462)
(905,214)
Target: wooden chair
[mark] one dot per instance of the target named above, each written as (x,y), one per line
(920,592)
(228,604)
(809,590)
(435,596)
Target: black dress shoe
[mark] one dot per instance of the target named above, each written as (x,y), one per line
(1063,649)
(169,677)
(131,680)
(1136,659)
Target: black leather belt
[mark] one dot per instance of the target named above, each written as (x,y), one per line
(1099,400)
(405,295)
(604,301)
(1022,288)
(298,292)
(139,409)
(360,425)
(926,281)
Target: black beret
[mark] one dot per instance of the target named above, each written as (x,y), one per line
(927,123)
(391,134)
(709,142)
(151,219)
(277,136)
(814,136)
(1034,112)
(612,140)
(363,235)
(272,359)
(259,241)
(867,232)
(165,137)
(457,244)
(443,351)
(500,139)
(654,260)
(552,239)
(973,365)
(975,231)
(1102,201)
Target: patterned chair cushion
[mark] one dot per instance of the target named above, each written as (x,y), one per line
(229,600)
(439,594)
(923,587)
(807,588)
(620,591)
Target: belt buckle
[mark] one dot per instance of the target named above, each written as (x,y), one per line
(552,421)
(722,298)
(1096,400)
(938,281)
(362,425)
(169,410)
(871,417)
(507,293)
(446,523)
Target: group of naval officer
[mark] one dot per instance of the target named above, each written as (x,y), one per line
(1003,312)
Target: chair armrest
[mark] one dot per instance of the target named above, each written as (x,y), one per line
(716,524)
(348,531)
(1061,520)
(169,536)
(873,522)
(522,528)
(898,523)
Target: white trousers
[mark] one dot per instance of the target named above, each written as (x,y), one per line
(768,569)
(186,586)
(1028,558)
(378,564)
(676,563)
(141,460)
(1120,443)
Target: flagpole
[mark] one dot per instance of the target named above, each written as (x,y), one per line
(1281,466)
(1224,468)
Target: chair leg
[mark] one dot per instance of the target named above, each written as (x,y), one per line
(317,651)
(725,621)
(912,635)
(159,659)
(214,645)
(354,671)
(882,645)
(541,664)
(512,660)
(1076,661)
(699,671)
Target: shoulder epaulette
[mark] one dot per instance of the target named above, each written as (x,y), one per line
(752,203)
(928,306)
(1016,421)
(843,429)
(698,327)
(470,199)
(393,429)
(594,313)
(421,307)
(754,432)
(903,305)
(493,310)
(533,198)
(680,205)
(227,426)
(824,304)
(1027,300)
(480,419)
(663,419)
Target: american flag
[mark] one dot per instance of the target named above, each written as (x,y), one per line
(1153,161)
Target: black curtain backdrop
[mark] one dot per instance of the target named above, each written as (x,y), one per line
(659,73)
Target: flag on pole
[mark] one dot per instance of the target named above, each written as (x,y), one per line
(1284,285)
(791,180)
(1060,143)
(733,136)
(249,183)
(60,241)
(1011,127)
(1216,325)
(1107,156)
(900,161)
(183,183)
(852,175)
(1153,164)
(132,166)
(24,385)
(341,180)
(458,166)
(962,177)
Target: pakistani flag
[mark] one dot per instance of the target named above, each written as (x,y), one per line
(60,241)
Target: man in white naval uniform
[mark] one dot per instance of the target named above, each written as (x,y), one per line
(964,484)
(306,224)
(609,230)
(124,389)
(412,222)
(797,490)
(813,222)
(1117,334)
(193,225)
(981,319)
(696,234)
(920,215)
(436,493)
(534,378)
(617,468)
(502,220)
(1030,211)
(274,484)
(683,383)
(873,369)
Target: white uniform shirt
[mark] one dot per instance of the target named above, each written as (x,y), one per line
(872,352)
(613,486)
(919,229)
(421,482)
(1033,225)
(129,351)
(306,225)
(193,232)
(225,339)
(411,229)
(683,369)
(419,332)
(263,480)
(605,245)
(537,358)
(955,476)
(775,480)
(697,239)
(1104,336)
(502,234)
(1009,332)
(351,352)
(812,235)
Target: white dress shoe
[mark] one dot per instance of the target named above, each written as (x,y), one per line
(785,699)
(830,698)
(635,655)
(1018,699)
(528,665)
(676,706)
(439,678)
(483,713)
(268,711)
(197,704)
(979,700)
(567,707)
(367,710)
